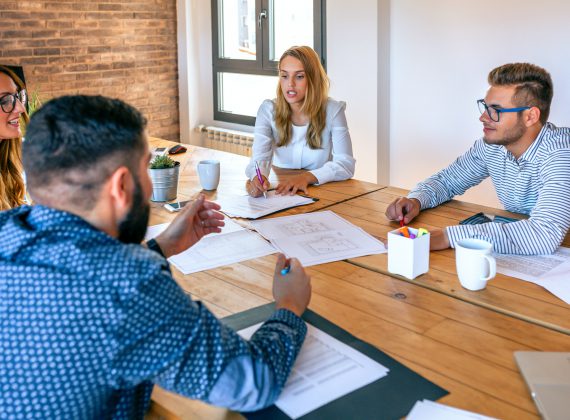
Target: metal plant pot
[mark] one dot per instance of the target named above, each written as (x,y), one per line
(164,183)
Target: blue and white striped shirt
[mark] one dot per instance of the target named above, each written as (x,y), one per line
(536,184)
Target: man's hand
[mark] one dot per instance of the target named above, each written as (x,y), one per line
(403,209)
(291,291)
(296,183)
(194,221)
(256,188)
(438,240)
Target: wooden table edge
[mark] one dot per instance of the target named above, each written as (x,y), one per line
(494,308)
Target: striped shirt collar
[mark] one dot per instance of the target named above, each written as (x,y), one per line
(530,153)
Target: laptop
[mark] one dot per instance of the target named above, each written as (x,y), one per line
(547,375)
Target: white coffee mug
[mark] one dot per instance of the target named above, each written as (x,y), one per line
(474,262)
(209,174)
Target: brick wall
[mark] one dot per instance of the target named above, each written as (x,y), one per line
(119,48)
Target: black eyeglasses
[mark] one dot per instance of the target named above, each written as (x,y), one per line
(494,113)
(8,102)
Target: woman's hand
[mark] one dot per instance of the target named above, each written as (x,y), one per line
(296,183)
(256,188)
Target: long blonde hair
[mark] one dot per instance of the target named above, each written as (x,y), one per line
(315,102)
(12,190)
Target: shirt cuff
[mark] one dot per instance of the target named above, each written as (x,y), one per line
(323,175)
(421,197)
(289,318)
(459,232)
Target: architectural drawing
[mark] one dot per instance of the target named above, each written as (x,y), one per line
(303,227)
(326,244)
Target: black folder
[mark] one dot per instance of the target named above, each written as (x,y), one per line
(390,397)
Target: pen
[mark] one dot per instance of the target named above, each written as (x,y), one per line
(403,216)
(258,172)
(285,270)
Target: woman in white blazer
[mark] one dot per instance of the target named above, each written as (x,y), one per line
(301,129)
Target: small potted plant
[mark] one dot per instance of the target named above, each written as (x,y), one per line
(164,175)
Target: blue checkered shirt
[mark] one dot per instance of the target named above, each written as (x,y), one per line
(89,324)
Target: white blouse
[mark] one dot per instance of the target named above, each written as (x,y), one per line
(332,162)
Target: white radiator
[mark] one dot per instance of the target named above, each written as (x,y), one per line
(231,141)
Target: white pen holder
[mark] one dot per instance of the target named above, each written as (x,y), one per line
(408,257)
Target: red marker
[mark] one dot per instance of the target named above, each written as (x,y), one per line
(403,216)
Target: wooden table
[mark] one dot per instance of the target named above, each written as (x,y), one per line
(463,347)
(504,294)
(232,181)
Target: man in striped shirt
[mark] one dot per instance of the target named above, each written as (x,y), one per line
(527,158)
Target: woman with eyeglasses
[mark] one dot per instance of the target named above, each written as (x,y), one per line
(12,112)
(301,129)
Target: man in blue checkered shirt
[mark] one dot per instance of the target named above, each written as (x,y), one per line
(90,319)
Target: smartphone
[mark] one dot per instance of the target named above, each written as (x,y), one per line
(176,206)
(479,218)
(159,151)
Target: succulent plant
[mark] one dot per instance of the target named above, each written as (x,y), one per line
(162,162)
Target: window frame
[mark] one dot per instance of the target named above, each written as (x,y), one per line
(261,66)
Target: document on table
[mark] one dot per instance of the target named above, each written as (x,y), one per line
(429,410)
(253,208)
(549,271)
(316,238)
(234,244)
(325,370)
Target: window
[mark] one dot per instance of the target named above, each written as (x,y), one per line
(249,37)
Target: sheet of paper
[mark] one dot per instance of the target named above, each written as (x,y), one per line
(429,410)
(549,271)
(234,244)
(155,230)
(216,251)
(316,238)
(325,370)
(253,208)
(229,227)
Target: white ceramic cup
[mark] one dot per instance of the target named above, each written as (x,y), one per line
(209,174)
(474,262)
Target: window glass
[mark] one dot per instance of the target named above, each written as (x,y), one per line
(237,29)
(243,93)
(249,37)
(291,24)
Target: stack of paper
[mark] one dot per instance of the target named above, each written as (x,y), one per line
(325,369)
(548,271)
(234,244)
(253,208)
(429,410)
(316,238)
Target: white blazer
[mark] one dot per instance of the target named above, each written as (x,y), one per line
(332,162)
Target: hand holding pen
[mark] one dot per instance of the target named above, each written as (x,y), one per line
(260,178)
(258,185)
(291,290)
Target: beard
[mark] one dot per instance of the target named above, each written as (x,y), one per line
(133,228)
(511,136)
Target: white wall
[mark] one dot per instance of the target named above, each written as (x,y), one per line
(420,110)
(352,65)
(441,53)
(195,67)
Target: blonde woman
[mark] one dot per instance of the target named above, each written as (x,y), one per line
(12,112)
(301,129)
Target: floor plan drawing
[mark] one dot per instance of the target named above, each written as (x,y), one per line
(303,226)
(319,237)
(328,243)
